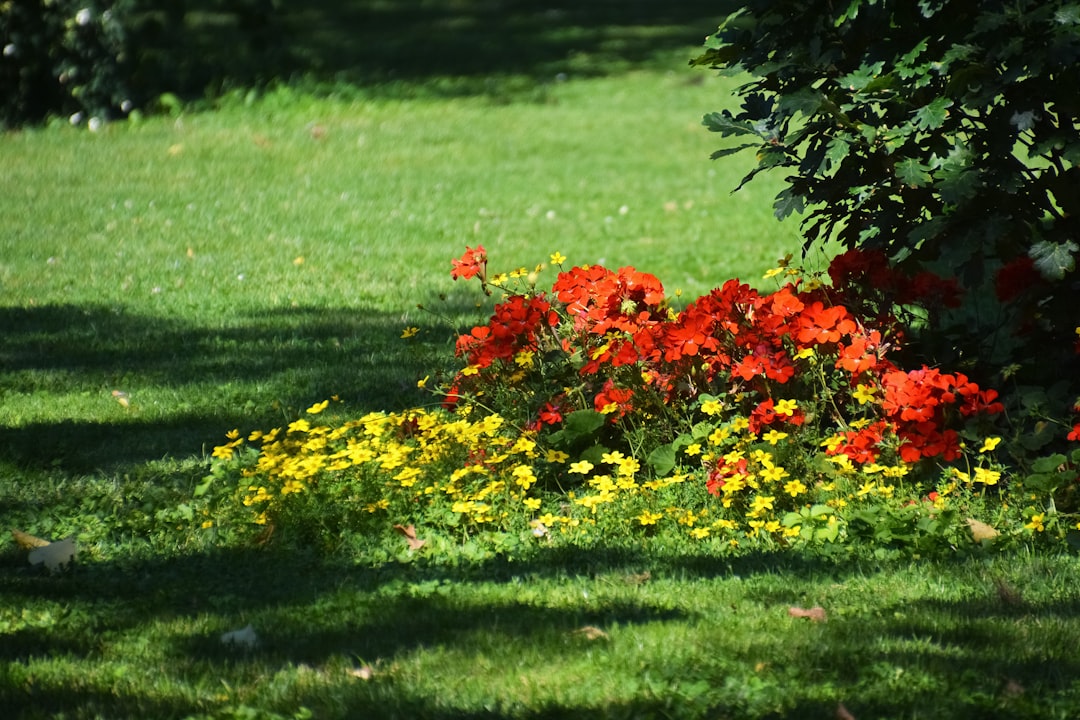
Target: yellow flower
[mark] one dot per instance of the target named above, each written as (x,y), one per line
(581,467)
(794,488)
(699,533)
(649,518)
(318,407)
(409,332)
(786,407)
(557,258)
(772,273)
(422,383)
(864,393)
(556,456)
(693,449)
(613,458)
(531,503)
(207,524)
(1036,522)
(987,477)
(989,444)
(719,435)
(470,370)
(804,353)
(519,273)
(712,407)
(773,474)
(774,436)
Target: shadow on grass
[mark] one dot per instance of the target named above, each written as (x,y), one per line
(308,609)
(184,386)
(186,47)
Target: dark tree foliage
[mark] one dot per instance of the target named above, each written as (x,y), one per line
(942,133)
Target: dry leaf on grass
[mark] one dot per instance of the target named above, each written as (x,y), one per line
(409,531)
(591,632)
(121,397)
(814,614)
(842,713)
(27,541)
(639,578)
(980,531)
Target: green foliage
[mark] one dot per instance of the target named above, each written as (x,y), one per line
(944,134)
(65,57)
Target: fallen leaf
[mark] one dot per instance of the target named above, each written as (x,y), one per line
(27,541)
(365,672)
(244,637)
(590,632)
(121,397)
(410,536)
(814,614)
(639,578)
(842,713)
(980,531)
(55,555)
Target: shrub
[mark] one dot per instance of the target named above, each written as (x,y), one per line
(747,419)
(62,57)
(944,136)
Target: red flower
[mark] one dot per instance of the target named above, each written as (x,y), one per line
(819,325)
(613,396)
(1015,277)
(471,264)
(1075,434)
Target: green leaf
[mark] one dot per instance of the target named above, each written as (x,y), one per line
(788,202)
(838,149)
(862,77)
(725,124)
(662,459)
(1052,259)
(932,116)
(577,426)
(731,150)
(1048,464)
(912,172)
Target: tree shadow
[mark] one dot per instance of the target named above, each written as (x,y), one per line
(152,387)
(190,46)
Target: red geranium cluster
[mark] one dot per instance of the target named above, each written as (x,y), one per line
(617,334)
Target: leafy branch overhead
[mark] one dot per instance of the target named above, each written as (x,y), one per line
(943,133)
(903,123)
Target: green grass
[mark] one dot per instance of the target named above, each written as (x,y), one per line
(159,260)
(702,638)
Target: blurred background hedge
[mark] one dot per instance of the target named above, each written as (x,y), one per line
(92,60)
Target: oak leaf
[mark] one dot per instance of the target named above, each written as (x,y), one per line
(409,532)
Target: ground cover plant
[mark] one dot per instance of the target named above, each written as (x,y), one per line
(396,547)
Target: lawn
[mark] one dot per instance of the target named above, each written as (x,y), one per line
(168,280)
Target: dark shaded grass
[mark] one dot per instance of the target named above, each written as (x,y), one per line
(446,47)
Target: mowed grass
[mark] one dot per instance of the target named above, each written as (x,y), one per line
(164,282)
(222,268)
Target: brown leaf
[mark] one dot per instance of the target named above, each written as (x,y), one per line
(410,536)
(121,397)
(365,672)
(639,578)
(981,531)
(842,713)
(27,541)
(590,632)
(814,614)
